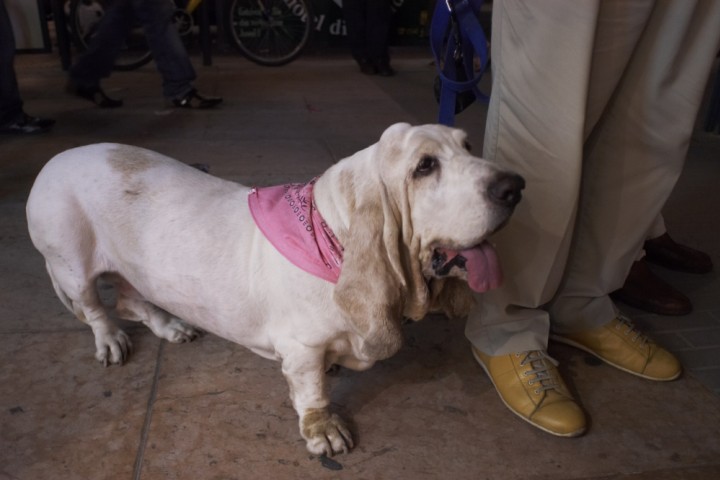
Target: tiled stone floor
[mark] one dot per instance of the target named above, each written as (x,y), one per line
(213,410)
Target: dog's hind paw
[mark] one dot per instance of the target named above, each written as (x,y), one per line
(325,433)
(177,331)
(112,347)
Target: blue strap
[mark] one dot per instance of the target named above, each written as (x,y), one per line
(455,31)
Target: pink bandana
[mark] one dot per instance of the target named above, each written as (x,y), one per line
(288,217)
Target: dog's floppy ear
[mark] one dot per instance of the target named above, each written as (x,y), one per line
(370,291)
(381,279)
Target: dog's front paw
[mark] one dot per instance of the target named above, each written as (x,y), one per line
(325,432)
(112,347)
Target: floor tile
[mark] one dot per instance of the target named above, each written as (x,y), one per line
(63,415)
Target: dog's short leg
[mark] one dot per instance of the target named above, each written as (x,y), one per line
(132,306)
(112,345)
(159,321)
(324,432)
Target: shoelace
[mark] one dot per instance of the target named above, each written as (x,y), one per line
(536,359)
(630,329)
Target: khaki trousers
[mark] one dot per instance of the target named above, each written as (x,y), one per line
(594,103)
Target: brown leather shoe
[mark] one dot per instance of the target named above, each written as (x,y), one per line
(646,291)
(666,252)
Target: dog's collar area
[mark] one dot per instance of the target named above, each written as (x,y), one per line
(289,219)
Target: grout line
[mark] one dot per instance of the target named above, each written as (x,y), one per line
(708,368)
(148,414)
(61,330)
(696,349)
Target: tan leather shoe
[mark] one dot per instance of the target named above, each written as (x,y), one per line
(531,387)
(621,345)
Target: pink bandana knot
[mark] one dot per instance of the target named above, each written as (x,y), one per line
(289,219)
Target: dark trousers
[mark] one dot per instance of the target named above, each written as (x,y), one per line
(368,27)
(167,48)
(11,105)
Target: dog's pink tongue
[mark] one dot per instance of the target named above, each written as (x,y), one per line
(482,265)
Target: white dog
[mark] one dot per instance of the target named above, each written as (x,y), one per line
(408,218)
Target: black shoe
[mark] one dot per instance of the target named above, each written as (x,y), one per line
(28,126)
(39,121)
(367,67)
(384,69)
(193,99)
(94,94)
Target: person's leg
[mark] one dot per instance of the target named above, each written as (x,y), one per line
(620,27)
(379,16)
(11,105)
(634,156)
(13,118)
(166,45)
(541,54)
(97,61)
(356,20)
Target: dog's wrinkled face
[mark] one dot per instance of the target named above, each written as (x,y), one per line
(455,201)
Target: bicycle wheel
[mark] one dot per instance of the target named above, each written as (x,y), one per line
(84,19)
(269,32)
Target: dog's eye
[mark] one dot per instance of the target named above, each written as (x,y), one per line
(427,164)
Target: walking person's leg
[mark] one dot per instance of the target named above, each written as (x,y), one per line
(13,118)
(356,22)
(171,57)
(11,105)
(379,15)
(96,63)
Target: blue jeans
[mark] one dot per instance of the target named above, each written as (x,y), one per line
(11,105)
(167,48)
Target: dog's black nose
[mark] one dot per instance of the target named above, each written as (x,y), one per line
(506,189)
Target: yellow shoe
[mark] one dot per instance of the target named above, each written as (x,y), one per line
(621,345)
(531,387)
